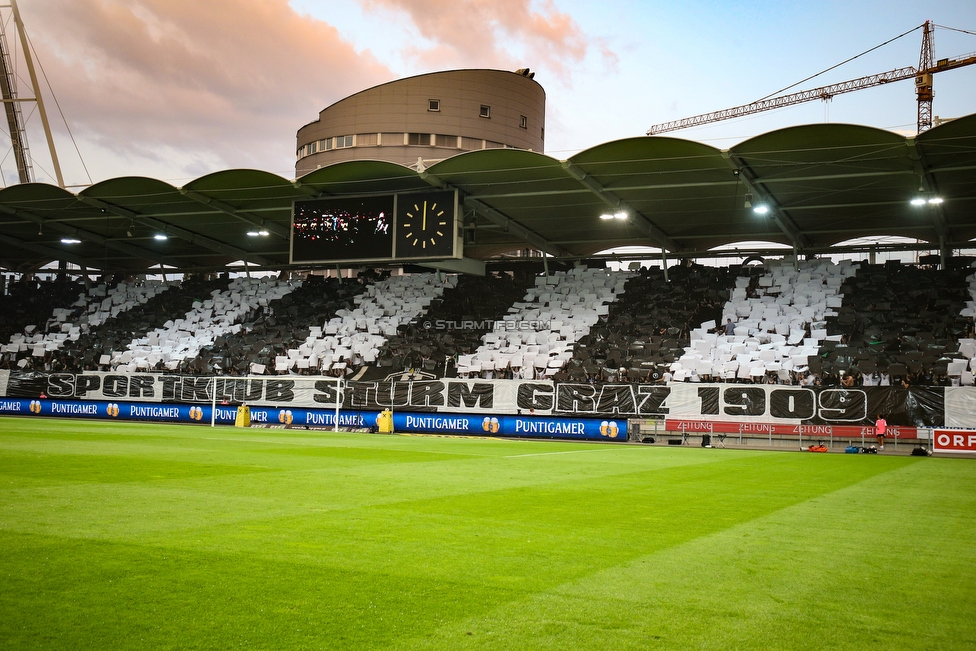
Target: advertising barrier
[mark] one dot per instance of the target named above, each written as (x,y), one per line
(953,440)
(778,429)
(457,424)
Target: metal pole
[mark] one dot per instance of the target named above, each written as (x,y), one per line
(664,263)
(37,92)
(213,406)
(339,396)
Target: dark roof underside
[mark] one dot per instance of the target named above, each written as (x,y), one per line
(827,183)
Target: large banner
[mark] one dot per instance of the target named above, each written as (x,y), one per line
(789,405)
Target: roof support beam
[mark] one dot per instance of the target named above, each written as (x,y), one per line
(641,221)
(272,227)
(777,214)
(828,177)
(90,236)
(308,189)
(54,254)
(499,218)
(189,236)
(928,185)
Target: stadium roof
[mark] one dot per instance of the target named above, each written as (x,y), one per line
(824,183)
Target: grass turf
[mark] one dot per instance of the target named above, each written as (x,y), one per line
(137,536)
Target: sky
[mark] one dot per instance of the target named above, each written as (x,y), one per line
(176,89)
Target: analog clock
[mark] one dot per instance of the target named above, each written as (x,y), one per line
(425,225)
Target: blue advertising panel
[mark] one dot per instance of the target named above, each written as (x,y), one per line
(463,424)
(521,426)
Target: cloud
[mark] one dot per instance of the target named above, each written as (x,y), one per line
(222,82)
(495,33)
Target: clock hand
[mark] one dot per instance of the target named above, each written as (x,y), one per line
(424,227)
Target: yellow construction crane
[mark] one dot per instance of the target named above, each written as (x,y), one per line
(927,66)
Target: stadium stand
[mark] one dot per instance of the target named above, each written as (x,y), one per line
(453,325)
(92,308)
(286,323)
(536,337)
(179,340)
(808,322)
(354,337)
(646,329)
(27,306)
(898,319)
(105,343)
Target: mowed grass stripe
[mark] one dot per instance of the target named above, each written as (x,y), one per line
(888,563)
(347,550)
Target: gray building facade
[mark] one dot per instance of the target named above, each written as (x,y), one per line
(428,117)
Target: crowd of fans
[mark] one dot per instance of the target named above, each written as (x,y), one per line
(638,341)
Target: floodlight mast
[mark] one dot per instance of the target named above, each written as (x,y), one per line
(927,66)
(19,140)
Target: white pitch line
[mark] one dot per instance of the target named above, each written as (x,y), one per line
(542,454)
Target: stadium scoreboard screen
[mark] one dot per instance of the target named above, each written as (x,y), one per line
(404,226)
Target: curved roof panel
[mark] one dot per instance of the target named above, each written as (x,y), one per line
(825,183)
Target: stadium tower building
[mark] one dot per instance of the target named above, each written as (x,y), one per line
(426,118)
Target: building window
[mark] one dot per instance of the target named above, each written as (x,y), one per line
(422,139)
(343,141)
(395,139)
(523,122)
(366,139)
(471,143)
(441,140)
(433,105)
(485,111)
(489,144)
(325,145)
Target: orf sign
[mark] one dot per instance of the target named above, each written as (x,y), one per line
(954,440)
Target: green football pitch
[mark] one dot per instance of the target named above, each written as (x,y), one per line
(137,536)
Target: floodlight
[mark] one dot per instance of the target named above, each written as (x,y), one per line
(70,240)
(606,215)
(935,200)
(918,201)
(161,236)
(761,209)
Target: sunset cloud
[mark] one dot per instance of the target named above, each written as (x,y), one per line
(181,88)
(226,82)
(481,33)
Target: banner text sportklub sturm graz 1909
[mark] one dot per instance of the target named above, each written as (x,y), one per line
(917,406)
